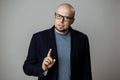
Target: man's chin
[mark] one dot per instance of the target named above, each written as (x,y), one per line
(61,30)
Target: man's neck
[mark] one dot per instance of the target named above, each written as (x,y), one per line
(63,33)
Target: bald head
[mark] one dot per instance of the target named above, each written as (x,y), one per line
(66,8)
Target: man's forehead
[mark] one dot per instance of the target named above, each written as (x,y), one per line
(65,9)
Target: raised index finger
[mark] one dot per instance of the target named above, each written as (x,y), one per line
(49,53)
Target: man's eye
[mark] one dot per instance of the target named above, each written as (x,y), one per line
(67,17)
(59,15)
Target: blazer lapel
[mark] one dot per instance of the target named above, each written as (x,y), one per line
(52,45)
(52,42)
(73,44)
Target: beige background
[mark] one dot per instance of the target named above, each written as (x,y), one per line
(99,19)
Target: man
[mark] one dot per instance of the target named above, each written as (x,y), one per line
(59,53)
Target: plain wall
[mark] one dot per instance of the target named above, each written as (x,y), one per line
(99,19)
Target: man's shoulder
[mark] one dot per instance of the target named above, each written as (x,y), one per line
(78,33)
(43,32)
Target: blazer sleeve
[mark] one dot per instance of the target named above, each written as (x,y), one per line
(31,65)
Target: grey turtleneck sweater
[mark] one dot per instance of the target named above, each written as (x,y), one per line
(63,42)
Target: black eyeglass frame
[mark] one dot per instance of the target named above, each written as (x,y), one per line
(65,18)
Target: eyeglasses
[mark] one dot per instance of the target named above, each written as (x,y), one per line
(65,18)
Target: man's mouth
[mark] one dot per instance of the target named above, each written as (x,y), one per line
(60,25)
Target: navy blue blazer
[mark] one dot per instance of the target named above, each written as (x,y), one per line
(40,44)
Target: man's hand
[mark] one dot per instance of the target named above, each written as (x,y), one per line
(48,62)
